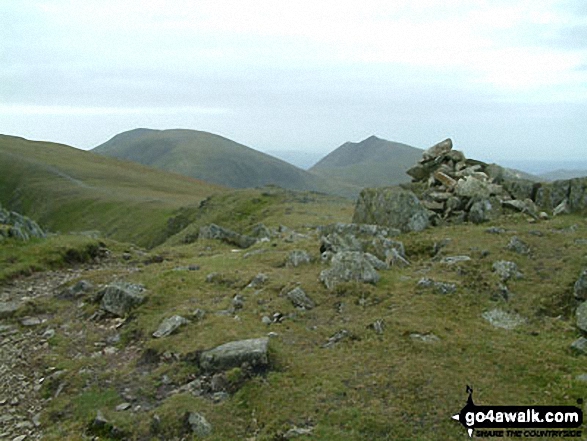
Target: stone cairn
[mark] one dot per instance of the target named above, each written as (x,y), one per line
(459,189)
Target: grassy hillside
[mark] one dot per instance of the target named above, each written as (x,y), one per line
(214,159)
(373,162)
(66,189)
(402,383)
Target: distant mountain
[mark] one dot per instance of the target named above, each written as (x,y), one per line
(66,189)
(213,158)
(562,174)
(373,162)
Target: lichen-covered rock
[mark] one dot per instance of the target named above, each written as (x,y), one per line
(349,266)
(197,424)
(300,299)
(506,270)
(253,352)
(502,319)
(297,258)
(393,207)
(217,232)
(517,245)
(17,226)
(120,298)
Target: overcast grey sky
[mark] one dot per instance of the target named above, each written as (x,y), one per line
(503,78)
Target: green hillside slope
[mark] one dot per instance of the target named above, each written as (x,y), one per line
(66,189)
(373,162)
(213,158)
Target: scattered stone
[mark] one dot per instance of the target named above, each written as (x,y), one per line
(260,231)
(120,298)
(502,319)
(300,299)
(170,325)
(230,237)
(234,354)
(238,302)
(340,335)
(495,230)
(349,266)
(123,406)
(76,291)
(580,288)
(197,424)
(506,270)
(298,431)
(579,346)
(581,316)
(266,320)
(31,321)
(297,258)
(451,260)
(439,287)
(378,326)
(518,246)
(425,338)
(257,281)
(8,309)
(198,314)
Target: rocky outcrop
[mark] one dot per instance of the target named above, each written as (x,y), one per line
(170,325)
(18,226)
(217,232)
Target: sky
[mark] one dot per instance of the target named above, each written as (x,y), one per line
(505,79)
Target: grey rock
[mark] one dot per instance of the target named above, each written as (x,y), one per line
(451,260)
(217,232)
(336,243)
(562,208)
(120,298)
(495,230)
(438,287)
(297,258)
(339,336)
(294,432)
(523,206)
(579,346)
(470,187)
(234,354)
(198,314)
(30,321)
(19,227)
(8,309)
(197,424)
(518,246)
(344,229)
(78,290)
(257,281)
(581,316)
(238,302)
(300,299)
(349,266)
(580,288)
(378,326)
(578,194)
(377,263)
(260,231)
(502,319)
(392,207)
(438,149)
(425,338)
(506,270)
(170,325)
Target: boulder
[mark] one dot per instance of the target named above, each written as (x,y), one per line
(349,266)
(578,194)
(580,288)
(392,207)
(517,245)
(170,325)
(78,290)
(300,299)
(336,243)
(120,298)
(253,352)
(214,231)
(197,424)
(8,309)
(480,211)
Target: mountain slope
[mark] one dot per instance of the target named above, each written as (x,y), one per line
(66,189)
(212,158)
(373,162)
